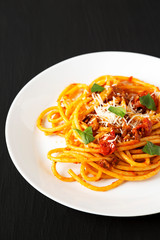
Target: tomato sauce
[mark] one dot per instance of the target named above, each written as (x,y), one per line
(106,146)
(142,130)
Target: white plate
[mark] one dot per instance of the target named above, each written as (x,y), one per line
(28,146)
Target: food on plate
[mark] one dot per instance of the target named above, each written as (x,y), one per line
(111,128)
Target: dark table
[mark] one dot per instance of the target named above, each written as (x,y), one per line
(34,35)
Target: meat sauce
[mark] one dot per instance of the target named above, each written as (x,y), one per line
(107,146)
(142,130)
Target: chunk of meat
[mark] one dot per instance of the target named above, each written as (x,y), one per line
(142,130)
(103,163)
(86,119)
(108,144)
(125,129)
(94,123)
(118,92)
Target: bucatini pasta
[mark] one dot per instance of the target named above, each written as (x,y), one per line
(111,128)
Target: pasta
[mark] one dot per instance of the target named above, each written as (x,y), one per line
(111,129)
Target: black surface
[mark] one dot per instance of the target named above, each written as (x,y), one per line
(33,36)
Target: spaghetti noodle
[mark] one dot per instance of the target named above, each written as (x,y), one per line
(107,126)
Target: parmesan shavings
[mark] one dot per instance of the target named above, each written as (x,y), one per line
(108,118)
(112,140)
(97,97)
(105,115)
(130,105)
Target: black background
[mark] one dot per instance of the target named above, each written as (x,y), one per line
(34,35)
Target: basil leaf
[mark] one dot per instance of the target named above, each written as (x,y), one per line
(97,88)
(148,102)
(86,135)
(151,148)
(119,111)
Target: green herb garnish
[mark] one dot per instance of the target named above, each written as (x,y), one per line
(86,135)
(97,88)
(119,111)
(151,148)
(148,102)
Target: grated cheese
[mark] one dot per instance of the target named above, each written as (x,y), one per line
(106,87)
(130,105)
(97,97)
(106,116)
(109,118)
(112,140)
